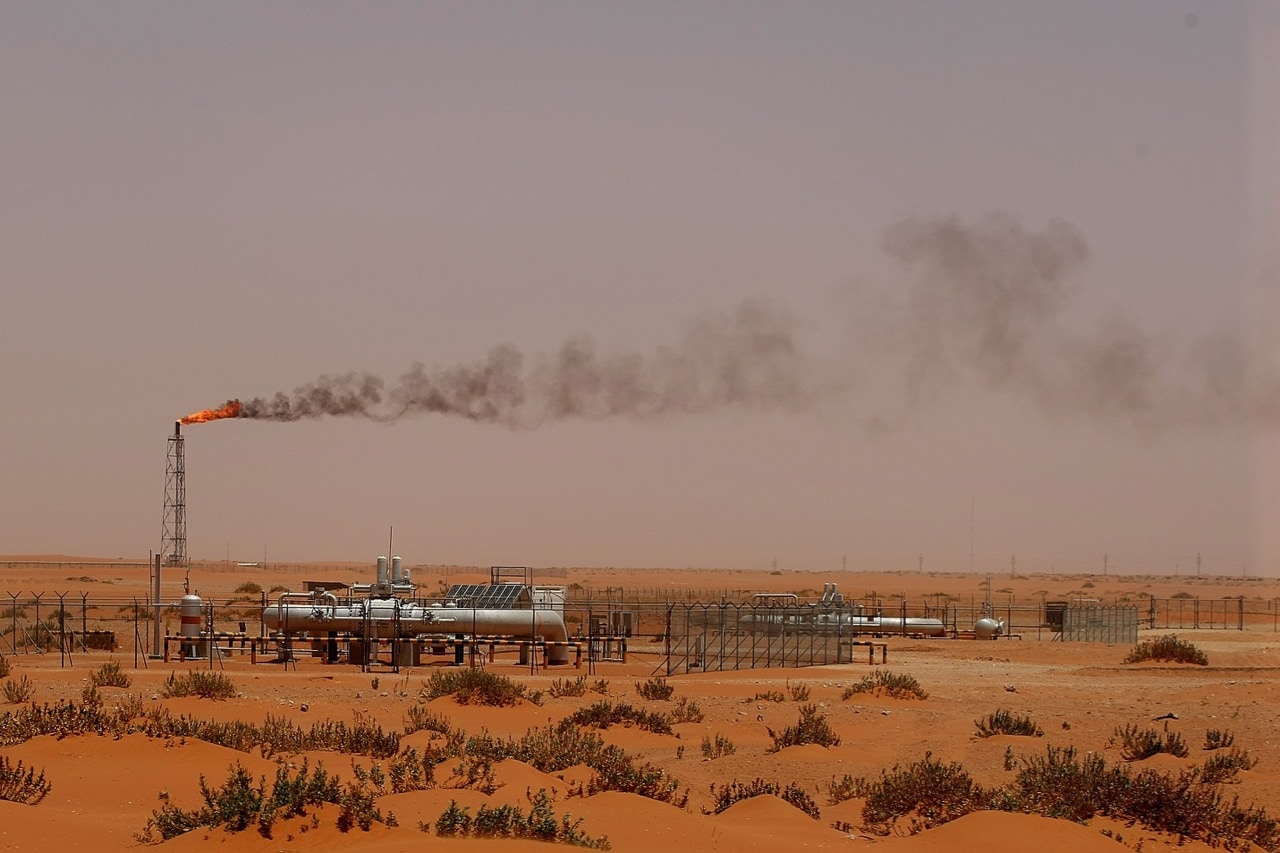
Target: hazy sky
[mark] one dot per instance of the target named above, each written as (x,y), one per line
(713,284)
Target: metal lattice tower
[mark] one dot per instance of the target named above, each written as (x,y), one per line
(173,534)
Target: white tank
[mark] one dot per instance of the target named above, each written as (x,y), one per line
(382,571)
(397,570)
(988,628)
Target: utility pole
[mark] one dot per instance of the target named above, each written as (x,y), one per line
(1105,560)
(921,563)
(1013,564)
(1197,565)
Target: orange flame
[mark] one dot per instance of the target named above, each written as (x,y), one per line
(232,409)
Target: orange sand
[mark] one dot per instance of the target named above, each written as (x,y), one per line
(105,789)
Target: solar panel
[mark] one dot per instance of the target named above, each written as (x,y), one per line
(496,596)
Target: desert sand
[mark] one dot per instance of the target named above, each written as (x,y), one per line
(104,788)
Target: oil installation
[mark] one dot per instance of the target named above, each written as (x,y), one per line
(383,615)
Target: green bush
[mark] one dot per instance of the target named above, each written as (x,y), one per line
(1167,648)
(891,684)
(812,727)
(1004,722)
(798,692)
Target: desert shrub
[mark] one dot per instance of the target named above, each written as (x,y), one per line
(248,588)
(604,713)
(884,683)
(798,692)
(474,687)
(454,820)
(17,786)
(5,667)
(686,711)
(725,796)
(241,802)
(1004,722)
(1060,784)
(562,687)
(601,686)
(1167,648)
(927,792)
(509,821)
(17,692)
(845,788)
(718,748)
(1218,739)
(206,684)
(1225,766)
(769,696)
(420,717)
(655,689)
(812,727)
(109,675)
(1136,744)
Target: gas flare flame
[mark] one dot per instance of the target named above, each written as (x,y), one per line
(231,409)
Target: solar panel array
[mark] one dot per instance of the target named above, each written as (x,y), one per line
(496,596)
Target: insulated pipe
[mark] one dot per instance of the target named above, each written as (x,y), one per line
(413,619)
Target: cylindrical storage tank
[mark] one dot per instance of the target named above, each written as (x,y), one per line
(988,628)
(191,612)
(397,572)
(382,570)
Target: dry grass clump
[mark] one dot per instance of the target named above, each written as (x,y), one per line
(655,689)
(725,796)
(475,687)
(1004,722)
(885,683)
(717,748)
(812,727)
(109,675)
(508,821)
(203,683)
(768,696)
(1167,648)
(18,787)
(1218,739)
(19,691)
(686,711)
(5,667)
(563,687)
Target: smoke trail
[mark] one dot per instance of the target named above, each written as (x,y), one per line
(988,300)
(992,300)
(748,360)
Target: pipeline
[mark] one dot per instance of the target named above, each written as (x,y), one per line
(383,617)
